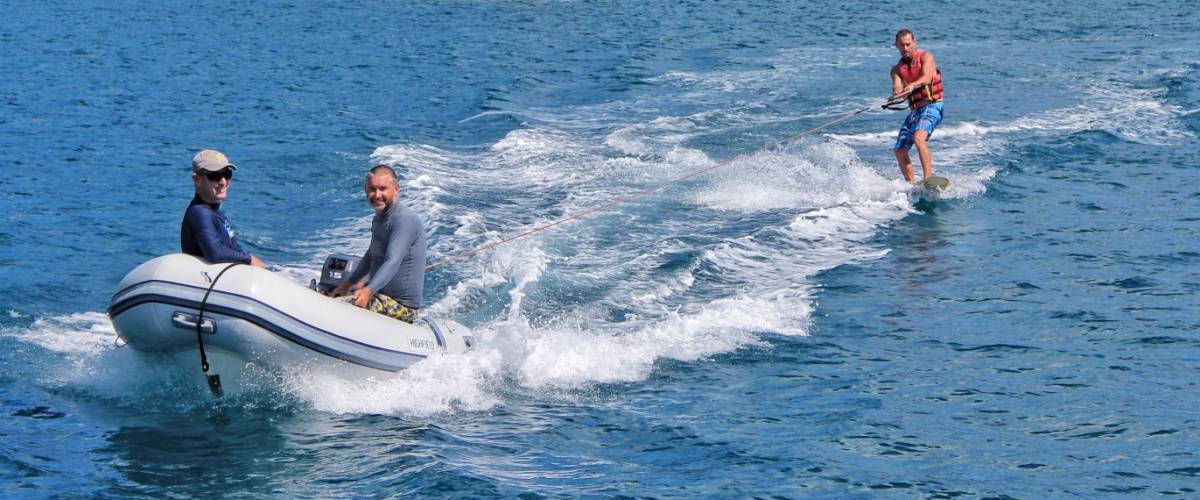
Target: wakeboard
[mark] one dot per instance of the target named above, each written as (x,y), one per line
(930,189)
(935,184)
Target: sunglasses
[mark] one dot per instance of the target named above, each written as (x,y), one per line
(217,176)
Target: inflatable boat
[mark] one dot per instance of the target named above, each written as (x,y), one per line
(225,320)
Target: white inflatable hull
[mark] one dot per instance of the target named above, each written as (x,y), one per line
(255,320)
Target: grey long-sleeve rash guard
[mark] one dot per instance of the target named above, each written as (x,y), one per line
(395,261)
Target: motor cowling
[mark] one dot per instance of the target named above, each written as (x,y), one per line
(337,267)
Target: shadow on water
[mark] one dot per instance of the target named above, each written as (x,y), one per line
(209,449)
(204,451)
(262,447)
(931,205)
(924,235)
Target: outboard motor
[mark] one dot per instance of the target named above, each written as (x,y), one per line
(335,270)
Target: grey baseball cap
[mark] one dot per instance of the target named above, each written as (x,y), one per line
(211,160)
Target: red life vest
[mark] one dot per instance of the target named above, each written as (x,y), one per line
(911,72)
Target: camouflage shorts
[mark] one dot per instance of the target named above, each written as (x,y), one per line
(388,306)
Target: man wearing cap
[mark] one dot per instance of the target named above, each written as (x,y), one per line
(205,231)
(391,277)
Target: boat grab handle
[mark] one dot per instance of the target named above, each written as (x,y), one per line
(188,321)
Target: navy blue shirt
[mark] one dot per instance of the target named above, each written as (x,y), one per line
(205,234)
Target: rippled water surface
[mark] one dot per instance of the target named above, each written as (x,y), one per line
(793,323)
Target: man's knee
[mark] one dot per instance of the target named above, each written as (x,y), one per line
(920,137)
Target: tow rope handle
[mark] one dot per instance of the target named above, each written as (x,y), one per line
(898,102)
(214,380)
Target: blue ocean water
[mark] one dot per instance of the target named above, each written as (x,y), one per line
(790,325)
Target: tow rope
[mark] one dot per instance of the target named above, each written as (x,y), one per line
(214,380)
(888,105)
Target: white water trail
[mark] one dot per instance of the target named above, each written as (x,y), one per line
(721,263)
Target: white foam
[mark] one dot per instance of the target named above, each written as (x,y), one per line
(438,384)
(568,355)
(663,134)
(806,174)
(73,334)
(579,352)
(84,354)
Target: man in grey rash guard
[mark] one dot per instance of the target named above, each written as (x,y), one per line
(391,277)
(205,231)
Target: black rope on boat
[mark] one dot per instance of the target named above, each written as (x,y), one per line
(214,381)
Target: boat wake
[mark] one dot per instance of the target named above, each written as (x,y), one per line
(722,262)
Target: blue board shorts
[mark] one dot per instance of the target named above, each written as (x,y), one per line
(925,118)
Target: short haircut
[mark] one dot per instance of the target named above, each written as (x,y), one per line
(903,32)
(382,169)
